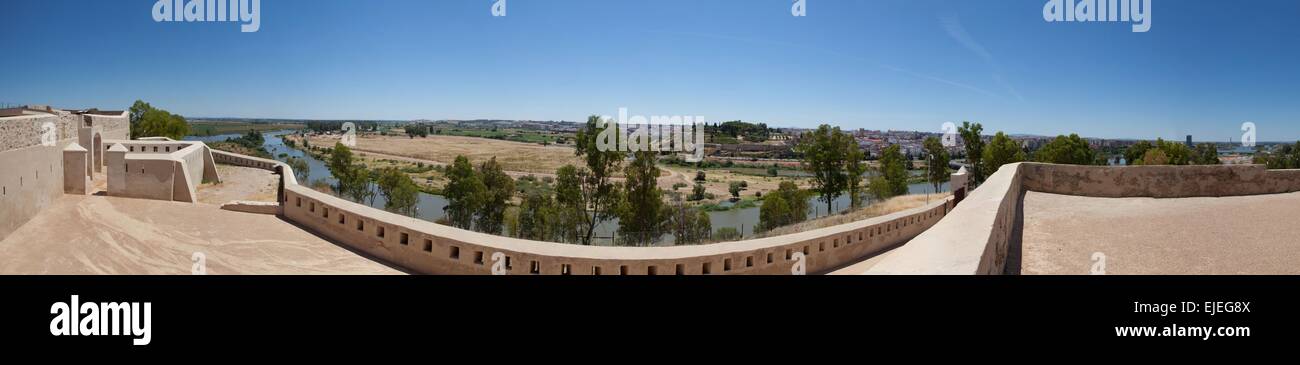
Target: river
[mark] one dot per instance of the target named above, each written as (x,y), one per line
(430,207)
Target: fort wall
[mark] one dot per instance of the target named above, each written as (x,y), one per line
(977,235)
(160,169)
(34,175)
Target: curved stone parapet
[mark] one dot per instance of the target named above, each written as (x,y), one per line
(426,247)
(976,236)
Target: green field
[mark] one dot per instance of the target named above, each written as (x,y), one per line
(206,128)
(507,134)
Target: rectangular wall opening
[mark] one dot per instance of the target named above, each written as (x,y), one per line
(428,245)
(455,253)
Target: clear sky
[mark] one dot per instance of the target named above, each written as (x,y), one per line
(1204,68)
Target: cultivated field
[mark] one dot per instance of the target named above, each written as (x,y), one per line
(212,128)
(513,156)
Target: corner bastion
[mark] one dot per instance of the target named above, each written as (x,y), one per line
(981,235)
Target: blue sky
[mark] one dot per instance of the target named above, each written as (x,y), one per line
(1203,68)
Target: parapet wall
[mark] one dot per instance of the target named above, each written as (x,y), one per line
(430,248)
(976,236)
(160,170)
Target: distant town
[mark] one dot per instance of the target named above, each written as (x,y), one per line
(738,139)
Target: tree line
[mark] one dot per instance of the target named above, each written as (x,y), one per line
(583,198)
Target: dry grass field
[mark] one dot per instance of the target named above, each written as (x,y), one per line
(513,156)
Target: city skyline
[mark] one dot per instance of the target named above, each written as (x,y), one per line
(1202,69)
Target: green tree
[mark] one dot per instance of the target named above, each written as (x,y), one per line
(784,206)
(600,195)
(1154,157)
(687,224)
(352,180)
(1134,153)
(698,192)
(465,193)
(1071,150)
(825,157)
(1176,152)
(735,187)
(363,190)
(147,121)
(1283,157)
(641,215)
(775,212)
(499,188)
(538,217)
(855,167)
(1206,154)
(399,192)
(971,136)
(1000,151)
(937,158)
(891,177)
(570,204)
(301,170)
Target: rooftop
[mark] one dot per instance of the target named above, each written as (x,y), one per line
(1253,234)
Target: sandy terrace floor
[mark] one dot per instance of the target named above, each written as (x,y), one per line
(1229,235)
(239,183)
(108,235)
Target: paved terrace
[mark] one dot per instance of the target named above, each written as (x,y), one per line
(1255,234)
(111,235)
